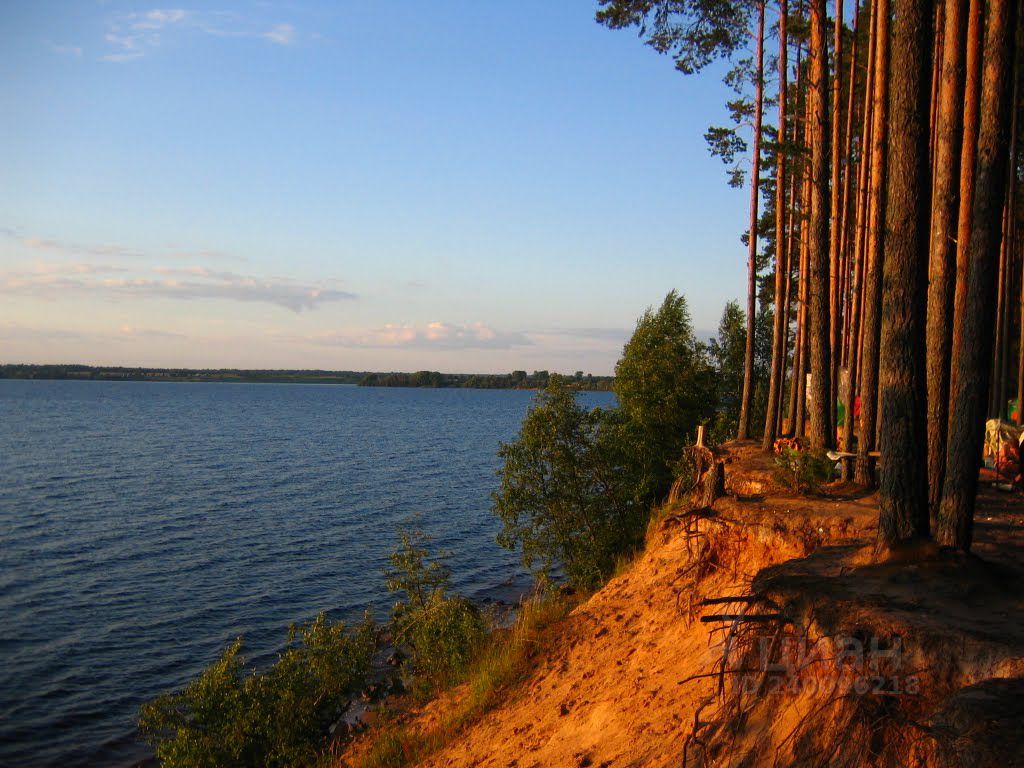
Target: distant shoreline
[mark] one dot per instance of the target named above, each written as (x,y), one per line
(418,380)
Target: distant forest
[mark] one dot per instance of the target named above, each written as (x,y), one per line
(432,379)
(514,380)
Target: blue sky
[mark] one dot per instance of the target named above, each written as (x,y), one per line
(461,186)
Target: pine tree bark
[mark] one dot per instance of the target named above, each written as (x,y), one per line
(846,258)
(822,434)
(743,432)
(836,279)
(956,510)
(1004,352)
(942,259)
(938,39)
(968,148)
(871,320)
(903,478)
(771,421)
(1013,232)
(804,314)
(860,225)
(790,228)
(994,393)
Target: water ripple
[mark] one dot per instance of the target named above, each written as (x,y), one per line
(144,526)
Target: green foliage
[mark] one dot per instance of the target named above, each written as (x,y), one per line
(413,570)
(666,387)
(505,659)
(728,351)
(278,717)
(570,491)
(693,32)
(513,380)
(442,631)
(577,485)
(804,471)
(445,634)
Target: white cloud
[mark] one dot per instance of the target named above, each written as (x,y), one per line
(437,335)
(132,36)
(282,34)
(59,280)
(158,18)
(108,250)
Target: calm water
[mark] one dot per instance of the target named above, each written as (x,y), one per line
(145,525)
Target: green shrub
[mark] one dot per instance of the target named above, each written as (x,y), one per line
(278,717)
(666,386)
(804,471)
(505,659)
(441,631)
(570,488)
(445,634)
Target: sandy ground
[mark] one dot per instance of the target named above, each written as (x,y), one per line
(620,680)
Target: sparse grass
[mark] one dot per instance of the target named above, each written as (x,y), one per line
(503,661)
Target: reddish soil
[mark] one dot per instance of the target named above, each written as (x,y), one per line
(634,677)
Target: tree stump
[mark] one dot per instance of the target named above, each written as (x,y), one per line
(710,483)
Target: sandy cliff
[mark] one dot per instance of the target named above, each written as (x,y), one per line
(830,658)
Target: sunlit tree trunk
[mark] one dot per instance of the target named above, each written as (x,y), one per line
(942,259)
(821,434)
(795,240)
(968,147)
(871,320)
(835,259)
(995,385)
(856,299)
(791,217)
(771,421)
(956,510)
(938,38)
(1014,230)
(845,219)
(743,431)
(903,478)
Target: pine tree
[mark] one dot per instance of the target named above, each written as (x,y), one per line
(820,392)
(903,486)
(970,385)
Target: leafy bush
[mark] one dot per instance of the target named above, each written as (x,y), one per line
(278,717)
(666,386)
(445,634)
(504,659)
(442,631)
(570,490)
(577,486)
(804,471)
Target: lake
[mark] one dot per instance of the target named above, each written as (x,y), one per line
(143,526)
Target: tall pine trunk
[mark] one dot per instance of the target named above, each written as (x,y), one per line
(860,226)
(820,392)
(835,230)
(903,478)
(755,182)
(968,148)
(942,260)
(871,320)
(771,421)
(956,510)
(845,218)
(804,313)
